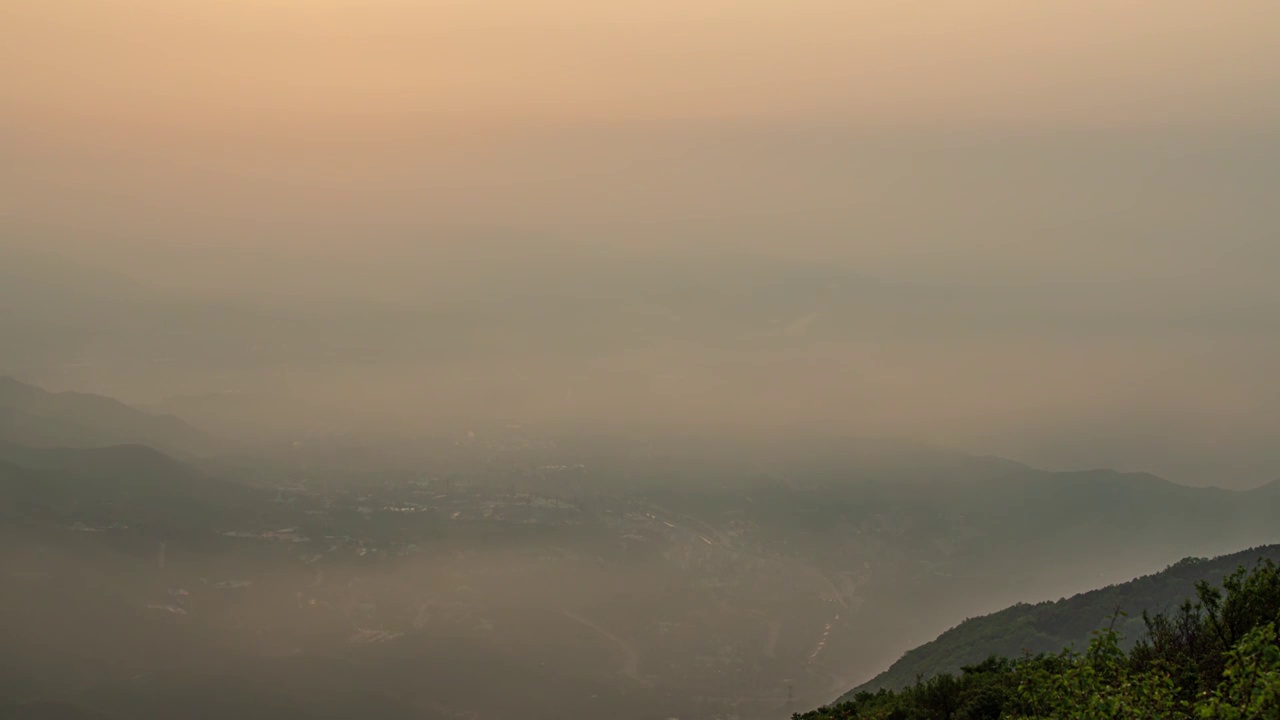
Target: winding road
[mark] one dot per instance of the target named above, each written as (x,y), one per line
(630,659)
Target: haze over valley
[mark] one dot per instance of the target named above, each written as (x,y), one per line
(581,573)
(573,360)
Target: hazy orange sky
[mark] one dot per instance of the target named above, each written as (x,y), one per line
(340,123)
(1079,159)
(290,69)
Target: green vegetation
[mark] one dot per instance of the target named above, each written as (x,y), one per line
(1216,657)
(1067,623)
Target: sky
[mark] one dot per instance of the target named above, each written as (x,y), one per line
(259,69)
(1103,171)
(266,118)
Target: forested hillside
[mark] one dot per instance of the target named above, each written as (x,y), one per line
(1067,623)
(1217,656)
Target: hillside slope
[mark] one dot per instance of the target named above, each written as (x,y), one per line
(1069,622)
(35,417)
(131,484)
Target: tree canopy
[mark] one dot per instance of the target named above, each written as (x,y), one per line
(1215,657)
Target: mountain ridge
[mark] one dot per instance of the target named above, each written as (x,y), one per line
(35,417)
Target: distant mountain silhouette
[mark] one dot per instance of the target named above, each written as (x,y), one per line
(131,484)
(1271,489)
(37,418)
